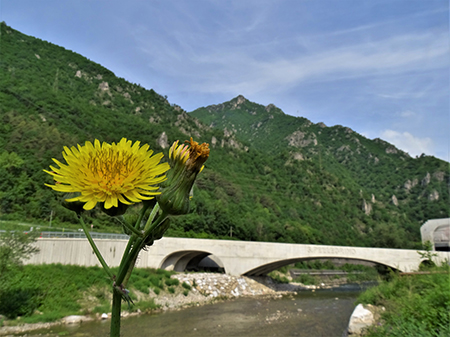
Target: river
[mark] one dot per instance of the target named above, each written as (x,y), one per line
(309,314)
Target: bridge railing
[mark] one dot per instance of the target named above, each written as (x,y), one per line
(323,272)
(81,235)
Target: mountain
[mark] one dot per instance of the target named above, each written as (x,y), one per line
(51,97)
(339,165)
(270,176)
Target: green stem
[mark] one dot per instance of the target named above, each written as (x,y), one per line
(138,245)
(117,296)
(115,314)
(150,227)
(128,259)
(130,270)
(127,252)
(133,238)
(94,248)
(132,229)
(151,216)
(143,210)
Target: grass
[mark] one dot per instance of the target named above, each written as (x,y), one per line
(45,293)
(416,305)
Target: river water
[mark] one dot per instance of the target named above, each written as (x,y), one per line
(309,314)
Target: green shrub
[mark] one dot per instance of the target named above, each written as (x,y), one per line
(416,305)
(277,278)
(186,286)
(164,272)
(172,282)
(156,281)
(171,290)
(19,301)
(142,286)
(306,279)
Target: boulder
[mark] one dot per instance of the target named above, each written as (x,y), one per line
(361,318)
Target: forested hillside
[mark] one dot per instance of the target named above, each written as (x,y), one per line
(270,176)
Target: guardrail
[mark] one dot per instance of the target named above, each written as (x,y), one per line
(323,272)
(80,235)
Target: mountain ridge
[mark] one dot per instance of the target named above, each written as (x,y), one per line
(270,176)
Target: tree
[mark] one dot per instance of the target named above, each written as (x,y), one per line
(14,248)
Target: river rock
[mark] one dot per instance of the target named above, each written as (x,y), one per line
(76,319)
(215,285)
(360,319)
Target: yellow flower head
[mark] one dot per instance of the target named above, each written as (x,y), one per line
(109,173)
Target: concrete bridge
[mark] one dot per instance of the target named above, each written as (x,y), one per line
(236,257)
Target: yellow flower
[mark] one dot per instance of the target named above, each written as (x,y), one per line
(109,173)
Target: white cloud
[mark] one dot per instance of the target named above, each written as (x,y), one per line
(231,68)
(405,141)
(407,114)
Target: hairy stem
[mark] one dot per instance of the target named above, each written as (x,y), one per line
(115,314)
(95,249)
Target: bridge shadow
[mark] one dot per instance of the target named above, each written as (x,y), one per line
(265,269)
(193,260)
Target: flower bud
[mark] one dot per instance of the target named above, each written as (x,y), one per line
(185,162)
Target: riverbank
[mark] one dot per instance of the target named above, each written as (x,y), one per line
(319,313)
(417,304)
(83,293)
(204,288)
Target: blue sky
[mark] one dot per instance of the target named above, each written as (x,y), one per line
(379,67)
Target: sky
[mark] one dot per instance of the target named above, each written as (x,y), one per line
(379,67)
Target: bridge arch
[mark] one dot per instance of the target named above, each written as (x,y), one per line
(267,268)
(180,260)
